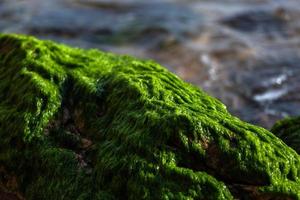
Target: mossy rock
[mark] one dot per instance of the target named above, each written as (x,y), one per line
(84,124)
(289,131)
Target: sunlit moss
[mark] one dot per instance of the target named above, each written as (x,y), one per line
(83,124)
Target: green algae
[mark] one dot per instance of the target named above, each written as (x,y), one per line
(150,135)
(289,131)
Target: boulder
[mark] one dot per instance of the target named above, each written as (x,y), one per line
(84,124)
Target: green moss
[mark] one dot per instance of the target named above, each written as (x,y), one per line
(289,131)
(150,135)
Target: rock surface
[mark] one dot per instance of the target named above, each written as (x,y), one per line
(83,124)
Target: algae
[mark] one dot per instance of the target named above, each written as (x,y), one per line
(289,131)
(84,124)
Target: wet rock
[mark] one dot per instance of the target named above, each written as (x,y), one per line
(157,137)
(271,85)
(9,189)
(86,143)
(8,196)
(142,23)
(258,21)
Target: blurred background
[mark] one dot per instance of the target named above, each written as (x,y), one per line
(244,52)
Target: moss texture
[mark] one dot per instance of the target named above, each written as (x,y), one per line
(83,124)
(289,131)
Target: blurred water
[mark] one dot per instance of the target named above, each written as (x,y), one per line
(244,52)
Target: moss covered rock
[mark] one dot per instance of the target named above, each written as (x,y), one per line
(83,124)
(289,131)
